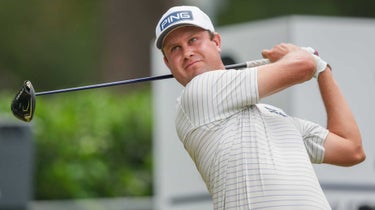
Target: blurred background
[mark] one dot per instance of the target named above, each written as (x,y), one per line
(97,144)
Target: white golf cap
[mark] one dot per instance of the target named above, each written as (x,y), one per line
(180,16)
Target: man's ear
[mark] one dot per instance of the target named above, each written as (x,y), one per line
(166,61)
(217,40)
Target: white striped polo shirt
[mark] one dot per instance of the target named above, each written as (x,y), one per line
(250,155)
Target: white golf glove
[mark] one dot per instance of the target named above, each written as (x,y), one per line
(321,65)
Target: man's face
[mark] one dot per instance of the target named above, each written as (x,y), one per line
(190,51)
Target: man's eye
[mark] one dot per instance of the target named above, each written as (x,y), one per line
(175,48)
(193,40)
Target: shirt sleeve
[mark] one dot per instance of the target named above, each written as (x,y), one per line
(314,137)
(218,94)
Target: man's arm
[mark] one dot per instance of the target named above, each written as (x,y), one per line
(343,145)
(290,65)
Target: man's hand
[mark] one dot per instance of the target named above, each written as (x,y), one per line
(290,65)
(279,51)
(287,51)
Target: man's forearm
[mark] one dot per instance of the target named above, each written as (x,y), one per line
(340,119)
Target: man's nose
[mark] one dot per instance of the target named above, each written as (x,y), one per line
(188,52)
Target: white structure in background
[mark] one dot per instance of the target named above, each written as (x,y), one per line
(346,43)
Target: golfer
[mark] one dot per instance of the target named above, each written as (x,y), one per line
(253,155)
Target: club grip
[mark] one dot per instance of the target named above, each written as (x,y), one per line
(248,64)
(254,63)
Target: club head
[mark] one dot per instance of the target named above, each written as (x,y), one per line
(23,105)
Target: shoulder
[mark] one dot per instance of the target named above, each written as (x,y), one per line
(223,77)
(209,75)
(202,83)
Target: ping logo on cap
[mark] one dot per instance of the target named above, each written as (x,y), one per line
(175,17)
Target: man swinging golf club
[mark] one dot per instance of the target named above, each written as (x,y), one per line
(253,155)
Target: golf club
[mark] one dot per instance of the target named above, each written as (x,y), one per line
(23,105)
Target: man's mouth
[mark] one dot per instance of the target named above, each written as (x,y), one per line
(190,64)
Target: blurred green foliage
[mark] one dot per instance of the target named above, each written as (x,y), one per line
(91,144)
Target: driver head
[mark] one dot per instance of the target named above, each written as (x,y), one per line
(23,105)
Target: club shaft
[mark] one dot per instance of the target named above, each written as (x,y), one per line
(248,64)
(108,84)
